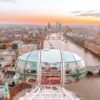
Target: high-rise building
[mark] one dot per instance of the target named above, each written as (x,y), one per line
(58,26)
(49,25)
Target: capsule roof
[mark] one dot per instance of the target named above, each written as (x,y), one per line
(50,56)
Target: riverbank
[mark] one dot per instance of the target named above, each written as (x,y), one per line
(83,88)
(94,48)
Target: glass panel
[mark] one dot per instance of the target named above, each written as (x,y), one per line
(81,64)
(70,71)
(34,65)
(31,68)
(70,57)
(70,68)
(74,71)
(31,56)
(20,66)
(51,73)
(50,56)
(28,67)
(27,71)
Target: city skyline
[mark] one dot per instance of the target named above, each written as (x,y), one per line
(43,11)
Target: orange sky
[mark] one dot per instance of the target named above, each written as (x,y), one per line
(44,19)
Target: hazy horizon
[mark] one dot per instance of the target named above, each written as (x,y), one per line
(44,11)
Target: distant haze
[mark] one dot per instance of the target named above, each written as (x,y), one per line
(43,11)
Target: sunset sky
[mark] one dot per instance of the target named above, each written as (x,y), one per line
(44,11)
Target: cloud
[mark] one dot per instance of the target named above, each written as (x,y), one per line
(76,12)
(93,14)
(87,13)
(10,1)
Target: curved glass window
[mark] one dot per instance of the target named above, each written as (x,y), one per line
(70,67)
(20,66)
(81,64)
(51,73)
(26,71)
(51,64)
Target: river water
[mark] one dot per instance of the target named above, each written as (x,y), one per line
(88,88)
(90,59)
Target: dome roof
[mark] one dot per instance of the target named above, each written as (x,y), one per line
(50,56)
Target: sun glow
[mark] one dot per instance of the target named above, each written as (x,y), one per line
(44,19)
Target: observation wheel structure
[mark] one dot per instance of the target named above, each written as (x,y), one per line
(48,70)
(50,65)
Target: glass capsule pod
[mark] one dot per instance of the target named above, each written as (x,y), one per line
(50,66)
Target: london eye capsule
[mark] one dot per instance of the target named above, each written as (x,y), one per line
(50,66)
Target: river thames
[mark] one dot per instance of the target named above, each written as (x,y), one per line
(88,88)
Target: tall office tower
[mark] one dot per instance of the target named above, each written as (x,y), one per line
(49,25)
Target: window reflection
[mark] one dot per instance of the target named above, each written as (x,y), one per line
(70,67)
(81,64)
(26,71)
(51,73)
